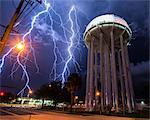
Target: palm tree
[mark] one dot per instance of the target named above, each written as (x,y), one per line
(73,84)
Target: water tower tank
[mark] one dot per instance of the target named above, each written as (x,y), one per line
(105,24)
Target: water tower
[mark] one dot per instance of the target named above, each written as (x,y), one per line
(108,84)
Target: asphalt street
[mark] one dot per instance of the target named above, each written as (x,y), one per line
(12,113)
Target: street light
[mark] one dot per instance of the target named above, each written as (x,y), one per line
(97,93)
(29,93)
(20,46)
(1,94)
(76,97)
(142,103)
(97,100)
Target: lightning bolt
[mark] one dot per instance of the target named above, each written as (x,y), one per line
(47,5)
(65,61)
(70,46)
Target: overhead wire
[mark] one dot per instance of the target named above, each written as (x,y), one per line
(23,11)
(27,3)
(30,11)
(3,26)
(23,18)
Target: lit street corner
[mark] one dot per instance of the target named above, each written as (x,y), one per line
(8,113)
(59,116)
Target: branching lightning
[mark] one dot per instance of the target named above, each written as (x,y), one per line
(70,46)
(65,60)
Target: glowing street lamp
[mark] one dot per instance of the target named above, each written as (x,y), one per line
(142,103)
(1,93)
(20,46)
(97,93)
(30,92)
(76,97)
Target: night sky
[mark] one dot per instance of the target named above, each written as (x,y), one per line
(135,12)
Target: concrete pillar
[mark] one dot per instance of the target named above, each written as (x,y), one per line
(125,74)
(115,86)
(96,83)
(121,81)
(108,77)
(112,83)
(91,97)
(105,76)
(101,72)
(88,80)
(129,77)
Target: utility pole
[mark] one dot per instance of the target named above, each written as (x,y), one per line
(6,27)
(5,36)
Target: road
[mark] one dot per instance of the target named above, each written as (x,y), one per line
(11,113)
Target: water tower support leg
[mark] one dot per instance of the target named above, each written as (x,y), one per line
(114,71)
(91,97)
(125,74)
(88,81)
(96,87)
(121,82)
(101,71)
(129,78)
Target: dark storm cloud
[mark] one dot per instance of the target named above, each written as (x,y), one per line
(135,12)
(140,68)
(140,77)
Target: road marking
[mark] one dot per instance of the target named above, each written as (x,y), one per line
(19,116)
(7,112)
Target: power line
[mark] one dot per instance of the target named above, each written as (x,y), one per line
(6,27)
(22,10)
(32,3)
(23,18)
(29,12)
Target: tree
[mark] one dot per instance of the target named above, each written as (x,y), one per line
(6,97)
(55,93)
(73,84)
(43,93)
(52,91)
(66,95)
